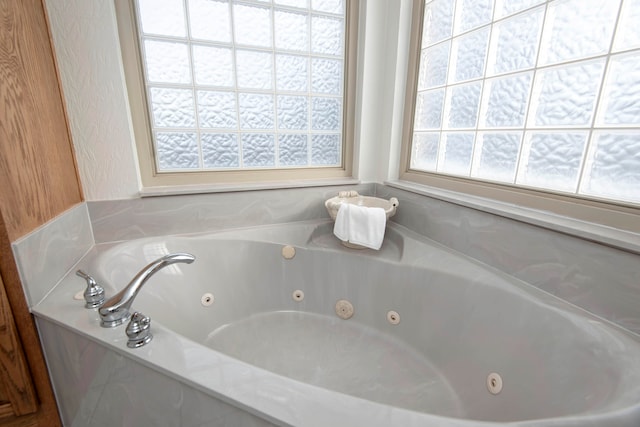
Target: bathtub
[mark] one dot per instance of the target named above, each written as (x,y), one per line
(251,334)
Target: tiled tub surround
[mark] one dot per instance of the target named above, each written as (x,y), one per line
(297,363)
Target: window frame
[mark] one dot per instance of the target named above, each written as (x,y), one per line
(617,214)
(152,179)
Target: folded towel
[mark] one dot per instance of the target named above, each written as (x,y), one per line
(360,225)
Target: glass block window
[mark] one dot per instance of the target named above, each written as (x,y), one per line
(542,94)
(244,84)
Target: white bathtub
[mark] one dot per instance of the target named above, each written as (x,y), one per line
(258,356)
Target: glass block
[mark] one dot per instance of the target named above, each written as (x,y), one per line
(577,29)
(326,76)
(217,109)
(326,113)
(627,34)
(252,25)
(463,105)
(254,70)
(326,150)
(291,73)
(552,160)
(329,6)
(506,101)
(220,150)
(163,17)
(209,20)
(177,150)
(613,168)
(498,156)
(172,107)
(429,106)
(258,150)
(434,63)
(515,42)
(472,13)
(293,3)
(167,62)
(470,52)
(327,35)
(213,66)
(291,31)
(508,7)
(621,96)
(565,96)
(458,152)
(293,112)
(256,111)
(424,151)
(293,149)
(438,21)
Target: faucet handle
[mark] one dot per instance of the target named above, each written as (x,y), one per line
(94,293)
(138,330)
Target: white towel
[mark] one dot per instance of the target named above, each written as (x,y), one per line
(360,225)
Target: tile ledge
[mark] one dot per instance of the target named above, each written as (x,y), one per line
(620,239)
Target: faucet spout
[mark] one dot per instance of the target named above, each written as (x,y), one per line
(115,311)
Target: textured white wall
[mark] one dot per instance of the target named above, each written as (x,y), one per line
(88,54)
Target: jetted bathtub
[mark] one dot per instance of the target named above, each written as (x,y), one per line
(283,325)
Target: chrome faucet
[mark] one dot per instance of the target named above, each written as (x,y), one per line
(115,311)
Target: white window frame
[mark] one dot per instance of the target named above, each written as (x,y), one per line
(619,215)
(154,182)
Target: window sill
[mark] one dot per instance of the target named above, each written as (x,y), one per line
(621,239)
(174,190)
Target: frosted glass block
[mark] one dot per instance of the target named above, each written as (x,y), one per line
(434,63)
(429,106)
(424,151)
(293,112)
(565,96)
(470,53)
(458,152)
(552,160)
(217,109)
(515,42)
(293,3)
(621,97)
(293,149)
(172,107)
(209,20)
(252,25)
(326,113)
(291,31)
(507,100)
(163,17)
(507,7)
(220,150)
(614,166)
(213,66)
(254,70)
(327,35)
(258,150)
(326,150)
(329,6)
(438,21)
(627,34)
(177,150)
(463,105)
(498,156)
(256,111)
(472,13)
(167,62)
(577,29)
(291,73)
(326,76)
